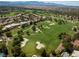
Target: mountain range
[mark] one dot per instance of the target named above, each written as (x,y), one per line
(28,3)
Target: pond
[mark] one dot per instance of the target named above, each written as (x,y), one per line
(2,55)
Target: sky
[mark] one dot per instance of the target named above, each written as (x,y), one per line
(72,3)
(65,2)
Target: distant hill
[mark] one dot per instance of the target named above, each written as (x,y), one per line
(28,3)
(34,3)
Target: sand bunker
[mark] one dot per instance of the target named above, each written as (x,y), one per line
(39,45)
(52,24)
(24,42)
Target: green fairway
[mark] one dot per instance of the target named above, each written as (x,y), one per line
(48,36)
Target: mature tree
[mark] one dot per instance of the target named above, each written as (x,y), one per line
(31,22)
(1,30)
(24,26)
(16,41)
(68,47)
(20,37)
(28,33)
(16,50)
(67,44)
(76,36)
(54,53)
(19,34)
(8,34)
(75,29)
(23,54)
(17,44)
(61,35)
(50,18)
(34,28)
(4,48)
(60,22)
(44,54)
(55,20)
